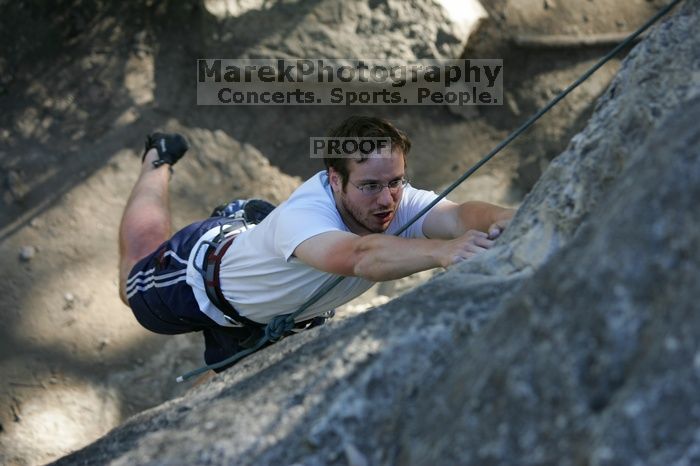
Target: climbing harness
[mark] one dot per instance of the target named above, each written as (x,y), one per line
(215,251)
(283,324)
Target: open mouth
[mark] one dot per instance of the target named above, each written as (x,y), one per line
(383,216)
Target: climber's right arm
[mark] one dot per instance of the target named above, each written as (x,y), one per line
(379,257)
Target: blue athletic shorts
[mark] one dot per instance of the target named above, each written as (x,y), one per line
(163,302)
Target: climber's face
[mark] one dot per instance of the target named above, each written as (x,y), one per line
(369,200)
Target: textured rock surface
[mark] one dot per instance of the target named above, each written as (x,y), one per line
(329,28)
(596,360)
(574,341)
(544,70)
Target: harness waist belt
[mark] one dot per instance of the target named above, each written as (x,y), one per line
(212,283)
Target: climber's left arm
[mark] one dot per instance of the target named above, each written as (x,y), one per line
(450,220)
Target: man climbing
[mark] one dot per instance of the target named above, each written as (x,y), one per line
(230,274)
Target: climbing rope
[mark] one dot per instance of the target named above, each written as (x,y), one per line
(279,326)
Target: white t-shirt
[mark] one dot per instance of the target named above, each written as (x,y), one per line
(260,277)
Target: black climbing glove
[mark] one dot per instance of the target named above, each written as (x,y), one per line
(170,147)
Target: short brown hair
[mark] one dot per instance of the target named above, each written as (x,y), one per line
(365,126)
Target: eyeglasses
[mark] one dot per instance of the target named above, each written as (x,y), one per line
(375,188)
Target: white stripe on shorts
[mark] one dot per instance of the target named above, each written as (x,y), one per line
(138,274)
(149,278)
(152,284)
(131,279)
(176,257)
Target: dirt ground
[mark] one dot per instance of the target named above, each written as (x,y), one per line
(74,361)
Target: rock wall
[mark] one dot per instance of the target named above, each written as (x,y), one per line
(550,44)
(573,341)
(596,359)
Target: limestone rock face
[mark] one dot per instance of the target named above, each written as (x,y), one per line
(596,360)
(647,90)
(573,341)
(334,29)
(550,43)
